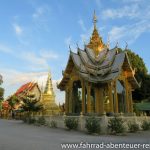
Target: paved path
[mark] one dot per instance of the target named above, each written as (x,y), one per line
(15,135)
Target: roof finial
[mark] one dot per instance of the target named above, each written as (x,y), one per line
(108,42)
(69,48)
(117,44)
(126,46)
(77,45)
(94,19)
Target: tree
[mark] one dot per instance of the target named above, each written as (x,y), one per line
(137,63)
(141,75)
(13,100)
(31,104)
(1,93)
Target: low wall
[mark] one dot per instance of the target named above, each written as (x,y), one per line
(103,120)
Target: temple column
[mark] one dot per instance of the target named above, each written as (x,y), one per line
(97,98)
(89,98)
(131,102)
(67,101)
(110,97)
(83,97)
(126,96)
(101,101)
(70,100)
(116,99)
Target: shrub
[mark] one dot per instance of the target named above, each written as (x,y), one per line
(145,125)
(133,127)
(71,123)
(53,124)
(116,125)
(29,120)
(92,125)
(41,121)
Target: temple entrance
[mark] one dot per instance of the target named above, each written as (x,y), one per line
(77,97)
(121,96)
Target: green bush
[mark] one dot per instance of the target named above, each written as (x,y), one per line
(29,120)
(92,125)
(133,127)
(71,123)
(145,125)
(116,125)
(53,124)
(41,121)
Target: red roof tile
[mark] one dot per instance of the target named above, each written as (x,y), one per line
(26,87)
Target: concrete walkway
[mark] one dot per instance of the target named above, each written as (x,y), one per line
(15,135)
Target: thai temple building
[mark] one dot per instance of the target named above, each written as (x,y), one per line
(48,99)
(98,79)
(29,87)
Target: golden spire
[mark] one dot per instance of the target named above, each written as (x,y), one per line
(96,43)
(94,20)
(49,87)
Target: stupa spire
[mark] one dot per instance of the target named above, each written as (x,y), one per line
(49,87)
(94,19)
(96,43)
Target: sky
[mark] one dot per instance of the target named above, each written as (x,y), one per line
(35,35)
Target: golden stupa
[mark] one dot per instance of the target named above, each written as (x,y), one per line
(48,99)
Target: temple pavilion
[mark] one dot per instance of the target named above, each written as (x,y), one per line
(98,79)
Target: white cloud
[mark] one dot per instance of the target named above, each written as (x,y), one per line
(128,33)
(137,21)
(48,54)
(34,60)
(42,17)
(18,29)
(117,33)
(5,48)
(126,11)
(68,40)
(39,11)
(81,23)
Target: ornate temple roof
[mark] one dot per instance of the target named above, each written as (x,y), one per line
(104,67)
(97,63)
(26,88)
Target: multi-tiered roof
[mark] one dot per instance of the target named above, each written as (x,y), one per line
(97,63)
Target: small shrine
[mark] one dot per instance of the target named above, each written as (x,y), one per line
(98,79)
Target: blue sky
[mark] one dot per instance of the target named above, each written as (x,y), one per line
(35,34)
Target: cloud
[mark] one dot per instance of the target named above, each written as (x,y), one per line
(136,21)
(42,17)
(48,54)
(126,11)
(128,33)
(38,60)
(34,60)
(5,49)
(68,40)
(18,29)
(82,25)
(39,12)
